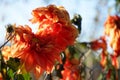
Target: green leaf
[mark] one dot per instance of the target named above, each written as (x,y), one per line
(10,73)
(27,76)
(13,63)
(19,77)
(72,50)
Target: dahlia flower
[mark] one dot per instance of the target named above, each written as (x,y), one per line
(55,25)
(112,29)
(39,51)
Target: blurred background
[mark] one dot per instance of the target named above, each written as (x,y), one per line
(93,13)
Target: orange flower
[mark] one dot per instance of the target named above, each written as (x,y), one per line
(39,51)
(71,67)
(54,24)
(34,52)
(52,13)
(6,52)
(98,44)
(112,22)
(71,72)
(112,29)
